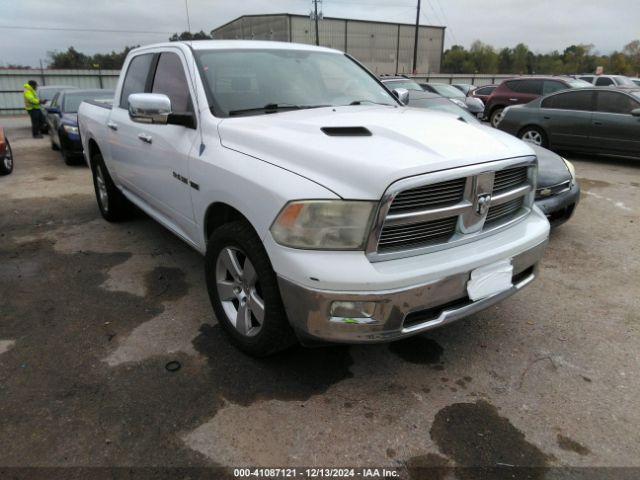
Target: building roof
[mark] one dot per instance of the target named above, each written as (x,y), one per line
(324,18)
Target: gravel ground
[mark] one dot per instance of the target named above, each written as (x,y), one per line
(91,313)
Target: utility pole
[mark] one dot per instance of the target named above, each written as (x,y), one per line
(315,16)
(415,42)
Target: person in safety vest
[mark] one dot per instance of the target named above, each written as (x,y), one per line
(32,106)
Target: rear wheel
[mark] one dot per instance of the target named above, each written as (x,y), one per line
(533,135)
(244,292)
(6,165)
(496,116)
(113,205)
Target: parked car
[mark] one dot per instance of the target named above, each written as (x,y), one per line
(401,82)
(594,120)
(636,81)
(325,209)
(516,91)
(557,193)
(483,93)
(6,154)
(619,81)
(47,93)
(62,116)
(474,105)
(464,87)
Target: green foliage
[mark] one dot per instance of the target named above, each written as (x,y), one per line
(485,59)
(72,58)
(201,35)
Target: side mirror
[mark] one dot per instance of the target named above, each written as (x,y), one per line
(401,94)
(149,108)
(53,110)
(635,112)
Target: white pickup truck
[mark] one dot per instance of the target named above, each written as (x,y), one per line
(326,210)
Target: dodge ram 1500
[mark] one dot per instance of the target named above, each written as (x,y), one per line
(326,209)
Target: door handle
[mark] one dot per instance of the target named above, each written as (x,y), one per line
(547,118)
(144,137)
(112,125)
(513,99)
(597,123)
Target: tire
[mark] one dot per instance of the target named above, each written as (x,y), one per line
(534,135)
(68,160)
(113,205)
(54,147)
(240,280)
(496,116)
(6,165)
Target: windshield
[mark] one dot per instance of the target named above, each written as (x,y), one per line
(408,84)
(247,81)
(444,105)
(47,93)
(72,101)
(579,83)
(448,91)
(622,80)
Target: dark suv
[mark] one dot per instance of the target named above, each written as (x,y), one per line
(517,91)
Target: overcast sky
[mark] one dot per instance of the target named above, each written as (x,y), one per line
(544,25)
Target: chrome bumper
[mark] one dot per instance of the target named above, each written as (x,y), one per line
(398,313)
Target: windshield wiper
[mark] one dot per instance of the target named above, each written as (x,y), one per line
(273,108)
(360,102)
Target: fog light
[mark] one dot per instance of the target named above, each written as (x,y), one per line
(353,309)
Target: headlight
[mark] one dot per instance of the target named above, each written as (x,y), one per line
(571,168)
(458,102)
(323,224)
(70,129)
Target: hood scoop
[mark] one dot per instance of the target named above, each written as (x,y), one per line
(346,131)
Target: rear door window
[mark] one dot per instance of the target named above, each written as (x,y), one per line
(579,100)
(484,91)
(136,79)
(603,81)
(171,80)
(614,102)
(529,86)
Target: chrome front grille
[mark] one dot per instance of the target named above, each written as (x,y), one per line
(424,233)
(508,179)
(429,196)
(504,210)
(448,208)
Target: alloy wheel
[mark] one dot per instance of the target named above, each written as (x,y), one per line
(496,118)
(532,136)
(103,195)
(8,159)
(239,291)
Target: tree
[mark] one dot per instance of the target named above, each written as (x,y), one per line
(75,59)
(201,35)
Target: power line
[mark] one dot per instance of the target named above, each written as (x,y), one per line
(455,40)
(66,29)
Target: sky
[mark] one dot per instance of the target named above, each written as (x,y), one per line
(544,25)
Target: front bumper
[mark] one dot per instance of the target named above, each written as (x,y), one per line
(70,144)
(559,208)
(411,309)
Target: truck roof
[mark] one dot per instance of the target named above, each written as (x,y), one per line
(240,44)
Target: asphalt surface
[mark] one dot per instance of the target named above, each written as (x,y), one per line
(92,314)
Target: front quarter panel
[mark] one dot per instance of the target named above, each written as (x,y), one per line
(257,189)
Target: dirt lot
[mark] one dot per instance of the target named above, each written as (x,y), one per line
(92,312)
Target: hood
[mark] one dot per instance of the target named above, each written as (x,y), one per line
(551,168)
(404,142)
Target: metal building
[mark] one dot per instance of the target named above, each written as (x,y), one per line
(385,48)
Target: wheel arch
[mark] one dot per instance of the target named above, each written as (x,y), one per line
(93,147)
(221,213)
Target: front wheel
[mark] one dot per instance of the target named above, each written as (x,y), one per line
(533,135)
(244,293)
(6,165)
(113,205)
(496,117)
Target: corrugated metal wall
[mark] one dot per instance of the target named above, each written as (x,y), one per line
(373,43)
(267,27)
(11,82)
